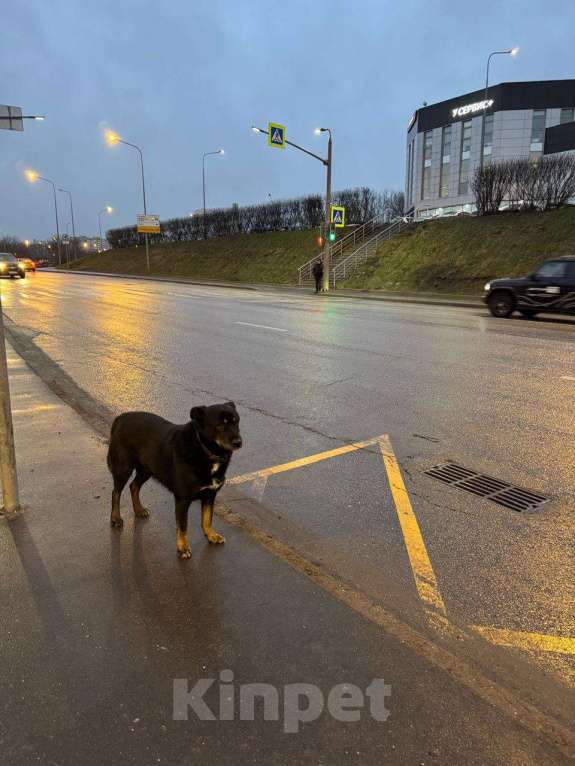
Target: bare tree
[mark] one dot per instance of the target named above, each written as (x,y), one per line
(361,205)
(491,184)
(541,185)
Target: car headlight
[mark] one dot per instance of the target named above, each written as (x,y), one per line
(487,286)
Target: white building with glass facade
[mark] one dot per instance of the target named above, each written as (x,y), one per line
(445,141)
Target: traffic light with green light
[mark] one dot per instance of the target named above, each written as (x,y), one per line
(331,235)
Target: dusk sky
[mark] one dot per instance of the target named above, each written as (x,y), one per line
(183,78)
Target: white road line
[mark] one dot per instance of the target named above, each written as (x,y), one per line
(261,326)
(567,377)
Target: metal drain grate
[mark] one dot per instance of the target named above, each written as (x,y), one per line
(500,492)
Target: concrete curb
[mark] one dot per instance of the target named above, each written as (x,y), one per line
(469,303)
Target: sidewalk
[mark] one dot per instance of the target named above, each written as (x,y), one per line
(95,625)
(437,299)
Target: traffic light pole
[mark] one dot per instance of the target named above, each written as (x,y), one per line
(327,163)
(326,252)
(8,472)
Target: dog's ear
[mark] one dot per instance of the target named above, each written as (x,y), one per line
(198,414)
(232,404)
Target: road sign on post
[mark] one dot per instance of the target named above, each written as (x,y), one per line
(338,216)
(11,118)
(148,224)
(276,135)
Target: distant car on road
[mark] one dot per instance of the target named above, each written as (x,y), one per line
(10,267)
(27,263)
(548,289)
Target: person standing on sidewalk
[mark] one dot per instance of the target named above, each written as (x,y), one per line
(317,272)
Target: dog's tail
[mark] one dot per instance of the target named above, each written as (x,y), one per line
(109,456)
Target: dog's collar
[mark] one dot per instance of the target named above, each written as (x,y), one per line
(210,454)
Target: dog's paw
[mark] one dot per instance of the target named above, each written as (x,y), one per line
(215,539)
(184,553)
(142,513)
(117,522)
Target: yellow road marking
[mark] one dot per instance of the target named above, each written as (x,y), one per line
(37,408)
(535,642)
(423,574)
(301,462)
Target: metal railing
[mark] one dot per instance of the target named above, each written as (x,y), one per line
(359,256)
(340,249)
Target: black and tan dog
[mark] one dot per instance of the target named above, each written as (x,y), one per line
(190,460)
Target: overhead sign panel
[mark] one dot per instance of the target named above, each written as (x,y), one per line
(11,118)
(276,135)
(338,216)
(148,224)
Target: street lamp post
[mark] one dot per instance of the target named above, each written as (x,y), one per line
(326,263)
(113,138)
(206,154)
(108,209)
(33,176)
(69,193)
(328,163)
(510,52)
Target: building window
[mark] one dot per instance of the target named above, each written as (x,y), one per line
(445,161)
(537,134)
(567,115)
(426,178)
(488,139)
(465,158)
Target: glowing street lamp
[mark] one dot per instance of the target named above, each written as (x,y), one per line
(108,209)
(32,176)
(111,137)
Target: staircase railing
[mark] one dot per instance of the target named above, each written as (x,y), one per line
(338,249)
(360,255)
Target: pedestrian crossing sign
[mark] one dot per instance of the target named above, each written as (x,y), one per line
(338,216)
(276,135)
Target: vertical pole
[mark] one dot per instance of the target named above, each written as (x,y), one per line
(57,225)
(204,192)
(100,228)
(484,113)
(326,252)
(8,472)
(145,208)
(74,250)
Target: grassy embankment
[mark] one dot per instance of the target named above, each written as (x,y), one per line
(454,255)
(266,258)
(459,255)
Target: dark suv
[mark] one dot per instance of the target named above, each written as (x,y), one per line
(548,289)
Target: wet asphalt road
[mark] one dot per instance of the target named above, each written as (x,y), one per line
(310,374)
